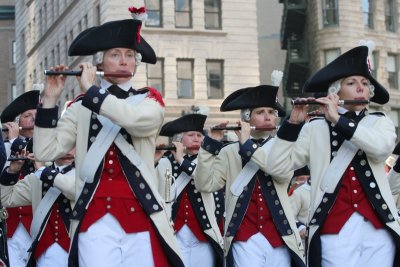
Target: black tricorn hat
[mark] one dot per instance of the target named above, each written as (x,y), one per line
(26,101)
(112,34)
(189,122)
(302,171)
(253,97)
(353,62)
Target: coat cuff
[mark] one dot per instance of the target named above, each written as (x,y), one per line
(188,166)
(247,149)
(46,117)
(94,97)
(210,145)
(48,175)
(18,145)
(346,127)
(7,178)
(289,131)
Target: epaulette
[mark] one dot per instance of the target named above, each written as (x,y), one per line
(378,113)
(154,94)
(142,90)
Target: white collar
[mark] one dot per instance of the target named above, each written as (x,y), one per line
(343,110)
(124,86)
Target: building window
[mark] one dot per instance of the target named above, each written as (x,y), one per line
(22,45)
(14,53)
(185,78)
(45,16)
(155,75)
(330,13)
(7,12)
(392,68)
(40,23)
(375,63)
(368,14)
(212,14)
(183,13)
(14,92)
(390,15)
(97,15)
(85,22)
(154,13)
(215,85)
(330,55)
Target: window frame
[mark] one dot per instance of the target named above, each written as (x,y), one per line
(189,12)
(191,61)
(160,62)
(218,13)
(333,10)
(220,80)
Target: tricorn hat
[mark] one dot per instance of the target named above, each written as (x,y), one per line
(189,122)
(253,97)
(26,101)
(113,34)
(353,62)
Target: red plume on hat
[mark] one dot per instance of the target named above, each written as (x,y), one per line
(139,14)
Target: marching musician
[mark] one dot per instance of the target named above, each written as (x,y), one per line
(192,213)
(353,220)
(20,113)
(393,162)
(50,223)
(119,218)
(260,229)
(299,195)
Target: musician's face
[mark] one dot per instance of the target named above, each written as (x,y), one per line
(192,139)
(354,88)
(119,60)
(263,117)
(27,118)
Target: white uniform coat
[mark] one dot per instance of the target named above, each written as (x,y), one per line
(208,200)
(142,121)
(313,147)
(215,172)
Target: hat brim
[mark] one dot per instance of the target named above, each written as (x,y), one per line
(113,34)
(26,101)
(186,123)
(351,63)
(253,97)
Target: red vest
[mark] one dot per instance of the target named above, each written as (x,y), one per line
(187,216)
(15,216)
(351,198)
(114,196)
(55,231)
(258,219)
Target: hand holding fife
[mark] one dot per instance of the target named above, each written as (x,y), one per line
(299,112)
(158,154)
(16,166)
(13,130)
(244,133)
(54,87)
(217,134)
(178,153)
(330,107)
(88,76)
